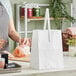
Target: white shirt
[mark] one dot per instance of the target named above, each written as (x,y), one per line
(6,4)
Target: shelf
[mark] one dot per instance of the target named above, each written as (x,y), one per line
(35,18)
(24,17)
(39,18)
(26,20)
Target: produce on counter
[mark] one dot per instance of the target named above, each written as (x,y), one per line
(21,51)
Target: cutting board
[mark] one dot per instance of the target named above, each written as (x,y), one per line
(23,59)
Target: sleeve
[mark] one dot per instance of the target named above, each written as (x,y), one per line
(7,6)
(9,10)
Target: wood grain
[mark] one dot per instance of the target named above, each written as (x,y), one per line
(23,59)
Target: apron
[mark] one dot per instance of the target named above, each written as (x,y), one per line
(4,22)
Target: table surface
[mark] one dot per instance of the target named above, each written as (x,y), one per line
(69,69)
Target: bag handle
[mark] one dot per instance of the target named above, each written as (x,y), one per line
(47,21)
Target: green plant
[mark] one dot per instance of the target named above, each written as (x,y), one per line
(58,10)
(71,42)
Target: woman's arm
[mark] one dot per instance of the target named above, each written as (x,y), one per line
(12,32)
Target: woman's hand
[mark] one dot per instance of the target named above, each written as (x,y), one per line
(23,41)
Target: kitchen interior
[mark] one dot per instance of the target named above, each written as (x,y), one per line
(30,15)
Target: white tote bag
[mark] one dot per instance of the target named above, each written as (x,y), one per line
(46,51)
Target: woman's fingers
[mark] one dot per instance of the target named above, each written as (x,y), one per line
(23,41)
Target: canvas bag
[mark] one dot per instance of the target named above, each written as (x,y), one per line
(46,50)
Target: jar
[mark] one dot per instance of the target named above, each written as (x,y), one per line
(22,12)
(2,63)
(29,12)
(36,11)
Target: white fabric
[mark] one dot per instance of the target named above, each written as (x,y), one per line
(46,54)
(6,4)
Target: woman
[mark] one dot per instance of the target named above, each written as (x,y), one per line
(7,26)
